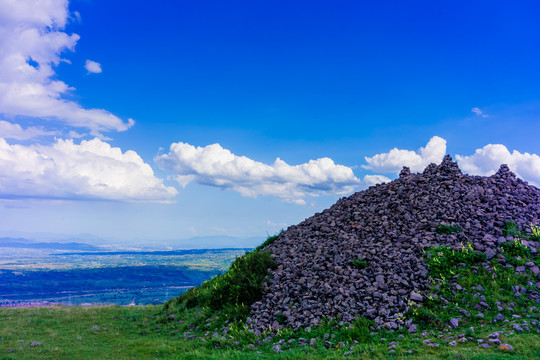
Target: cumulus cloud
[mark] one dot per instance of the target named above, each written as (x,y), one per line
(213,165)
(89,170)
(92,67)
(371,180)
(32,39)
(15,131)
(394,160)
(479,112)
(487,160)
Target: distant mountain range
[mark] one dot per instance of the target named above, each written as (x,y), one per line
(198,242)
(21,243)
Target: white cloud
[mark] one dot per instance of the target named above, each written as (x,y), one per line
(15,131)
(89,170)
(479,112)
(216,166)
(394,160)
(371,180)
(92,67)
(487,160)
(32,41)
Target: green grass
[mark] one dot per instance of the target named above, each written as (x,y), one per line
(132,333)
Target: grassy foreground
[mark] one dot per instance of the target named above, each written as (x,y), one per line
(119,333)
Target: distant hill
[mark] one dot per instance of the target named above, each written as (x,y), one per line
(21,243)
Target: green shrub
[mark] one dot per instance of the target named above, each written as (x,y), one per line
(442,260)
(235,290)
(447,229)
(359,263)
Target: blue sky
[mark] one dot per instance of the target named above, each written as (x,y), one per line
(365,86)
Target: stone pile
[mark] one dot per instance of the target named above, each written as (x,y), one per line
(389,226)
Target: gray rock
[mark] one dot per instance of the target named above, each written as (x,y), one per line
(490,253)
(454,322)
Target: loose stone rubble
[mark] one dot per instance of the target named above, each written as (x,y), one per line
(388,226)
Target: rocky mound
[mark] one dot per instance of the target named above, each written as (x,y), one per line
(388,226)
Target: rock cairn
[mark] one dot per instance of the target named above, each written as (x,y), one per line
(387,225)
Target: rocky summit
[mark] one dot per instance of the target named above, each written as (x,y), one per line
(387,227)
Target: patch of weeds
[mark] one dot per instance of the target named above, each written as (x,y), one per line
(515,252)
(443,261)
(448,229)
(359,263)
(465,285)
(511,228)
(515,248)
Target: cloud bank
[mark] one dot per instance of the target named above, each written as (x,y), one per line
(15,131)
(32,42)
(213,165)
(89,170)
(394,160)
(487,160)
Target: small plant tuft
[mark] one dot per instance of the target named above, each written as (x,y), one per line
(281,319)
(359,263)
(447,229)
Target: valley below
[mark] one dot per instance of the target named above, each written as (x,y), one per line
(37,276)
